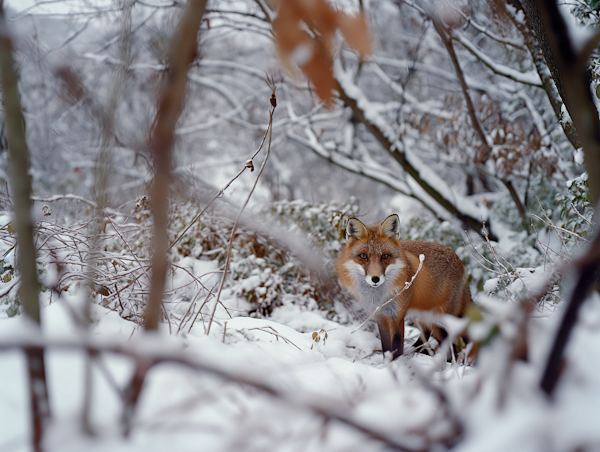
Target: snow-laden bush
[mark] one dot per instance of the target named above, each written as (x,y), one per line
(115,266)
(266,274)
(576,210)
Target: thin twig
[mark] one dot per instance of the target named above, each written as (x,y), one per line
(206,300)
(233,229)
(184,51)
(491,270)
(222,191)
(589,223)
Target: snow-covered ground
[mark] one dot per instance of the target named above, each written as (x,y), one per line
(311,366)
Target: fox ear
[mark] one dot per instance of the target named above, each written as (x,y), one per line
(391,227)
(355,229)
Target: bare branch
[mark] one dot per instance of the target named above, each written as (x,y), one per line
(20,185)
(527,78)
(237,220)
(184,52)
(351,96)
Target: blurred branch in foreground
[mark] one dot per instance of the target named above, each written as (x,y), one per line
(20,184)
(183,52)
(572,68)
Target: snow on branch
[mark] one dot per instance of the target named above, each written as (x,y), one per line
(239,67)
(505,91)
(218,119)
(208,82)
(434,111)
(527,78)
(458,206)
(72,197)
(517,43)
(370,170)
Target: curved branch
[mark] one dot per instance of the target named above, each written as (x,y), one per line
(433,185)
(372,171)
(527,78)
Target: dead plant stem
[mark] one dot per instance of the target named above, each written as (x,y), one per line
(237,220)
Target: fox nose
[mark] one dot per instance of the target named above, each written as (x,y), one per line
(375,279)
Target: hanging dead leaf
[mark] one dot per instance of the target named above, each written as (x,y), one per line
(305,32)
(324,19)
(356,33)
(320,73)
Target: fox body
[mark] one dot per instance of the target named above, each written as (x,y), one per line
(375,266)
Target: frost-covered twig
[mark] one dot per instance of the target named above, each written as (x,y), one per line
(248,165)
(526,78)
(269,131)
(71,197)
(500,262)
(486,31)
(484,258)
(275,333)
(585,220)
(209,295)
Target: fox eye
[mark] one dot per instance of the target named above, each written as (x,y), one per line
(385,256)
(363,255)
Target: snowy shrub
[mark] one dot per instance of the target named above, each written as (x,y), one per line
(576,210)
(115,266)
(324,223)
(262,271)
(267,275)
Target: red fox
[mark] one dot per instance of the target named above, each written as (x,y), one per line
(375,265)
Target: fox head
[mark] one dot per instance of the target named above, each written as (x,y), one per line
(373,256)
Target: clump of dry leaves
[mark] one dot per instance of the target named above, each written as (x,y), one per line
(306,31)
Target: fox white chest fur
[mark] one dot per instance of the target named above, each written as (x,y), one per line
(373,294)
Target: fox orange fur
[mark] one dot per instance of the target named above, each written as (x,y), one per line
(375,265)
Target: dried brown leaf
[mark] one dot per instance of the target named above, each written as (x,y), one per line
(311,51)
(320,73)
(356,33)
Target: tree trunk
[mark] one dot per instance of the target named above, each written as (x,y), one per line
(20,187)
(545,62)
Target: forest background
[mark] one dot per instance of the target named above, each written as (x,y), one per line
(191,166)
